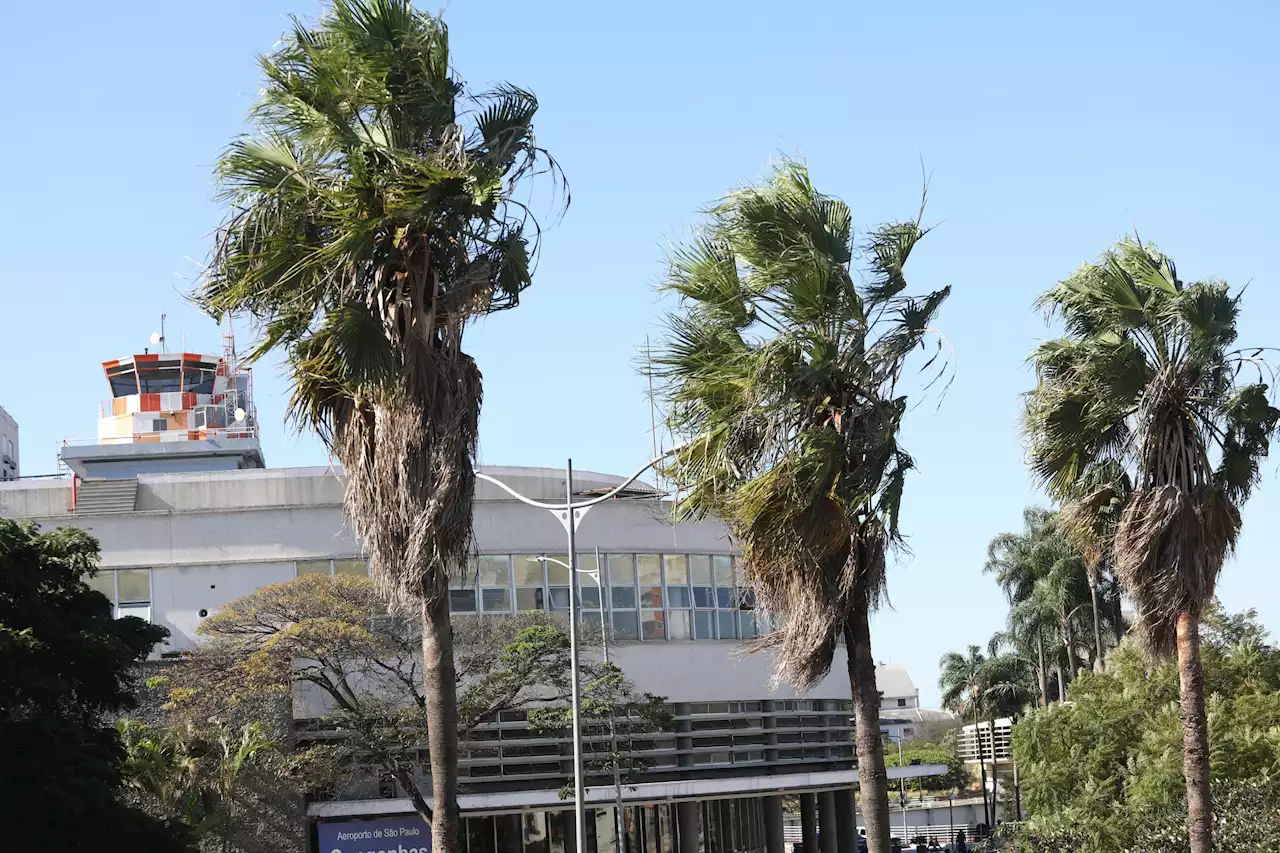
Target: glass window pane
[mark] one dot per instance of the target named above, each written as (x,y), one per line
(134,585)
(678,625)
(351,567)
(700,569)
(527,569)
(654,625)
(142,611)
(651,596)
(622,570)
(529,598)
(724,570)
(535,832)
(678,596)
(556,573)
(496,599)
(703,597)
(725,597)
(105,583)
(586,562)
(589,595)
(313,567)
(464,577)
(649,568)
(462,601)
(746,598)
(747,622)
(624,597)
(494,570)
(728,628)
(624,625)
(677,566)
(559,597)
(704,625)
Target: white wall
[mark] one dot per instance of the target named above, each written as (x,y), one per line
(179,594)
(704,671)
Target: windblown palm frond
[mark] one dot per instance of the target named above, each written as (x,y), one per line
(784,373)
(1143,426)
(373,215)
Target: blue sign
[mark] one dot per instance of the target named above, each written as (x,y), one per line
(389,835)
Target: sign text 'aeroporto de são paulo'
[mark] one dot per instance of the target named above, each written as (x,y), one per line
(392,835)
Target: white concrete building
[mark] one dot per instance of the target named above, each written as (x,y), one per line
(9,467)
(178,544)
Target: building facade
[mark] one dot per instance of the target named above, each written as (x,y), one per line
(210,525)
(9,467)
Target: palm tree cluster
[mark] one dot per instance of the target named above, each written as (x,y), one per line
(981,688)
(1062,616)
(375,213)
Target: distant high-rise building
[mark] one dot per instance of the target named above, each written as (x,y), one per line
(8,446)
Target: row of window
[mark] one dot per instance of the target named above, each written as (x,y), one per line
(641,596)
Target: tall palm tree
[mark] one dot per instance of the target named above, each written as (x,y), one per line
(370,219)
(784,372)
(1146,377)
(962,681)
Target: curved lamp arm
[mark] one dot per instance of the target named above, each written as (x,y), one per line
(602,498)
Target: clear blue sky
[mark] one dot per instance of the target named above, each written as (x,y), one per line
(1049,130)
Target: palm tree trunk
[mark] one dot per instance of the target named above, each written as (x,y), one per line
(1098,666)
(1043,674)
(982,769)
(1069,641)
(439,685)
(1017,787)
(1195,734)
(872,778)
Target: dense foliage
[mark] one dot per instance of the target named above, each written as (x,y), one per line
(1102,773)
(64,670)
(924,752)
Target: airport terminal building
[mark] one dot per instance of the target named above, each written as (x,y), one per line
(189,518)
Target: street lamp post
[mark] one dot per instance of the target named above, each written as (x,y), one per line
(620,841)
(570,515)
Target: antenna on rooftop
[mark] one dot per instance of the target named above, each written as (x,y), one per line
(157,338)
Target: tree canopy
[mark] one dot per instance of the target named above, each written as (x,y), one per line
(1103,772)
(65,669)
(330,644)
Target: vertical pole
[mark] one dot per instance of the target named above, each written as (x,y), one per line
(951,815)
(579,811)
(621,841)
(903,801)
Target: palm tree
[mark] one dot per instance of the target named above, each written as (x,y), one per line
(783,372)
(962,682)
(370,219)
(1146,378)
(1007,691)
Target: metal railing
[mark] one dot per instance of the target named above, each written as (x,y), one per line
(196,434)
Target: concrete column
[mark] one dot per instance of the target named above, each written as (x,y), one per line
(808,823)
(688,824)
(846,821)
(773,839)
(827,833)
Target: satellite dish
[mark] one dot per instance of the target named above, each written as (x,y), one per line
(155,338)
(239,415)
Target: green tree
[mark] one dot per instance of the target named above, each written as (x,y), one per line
(370,220)
(784,372)
(65,667)
(964,691)
(1103,772)
(1146,378)
(328,643)
(191,773)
